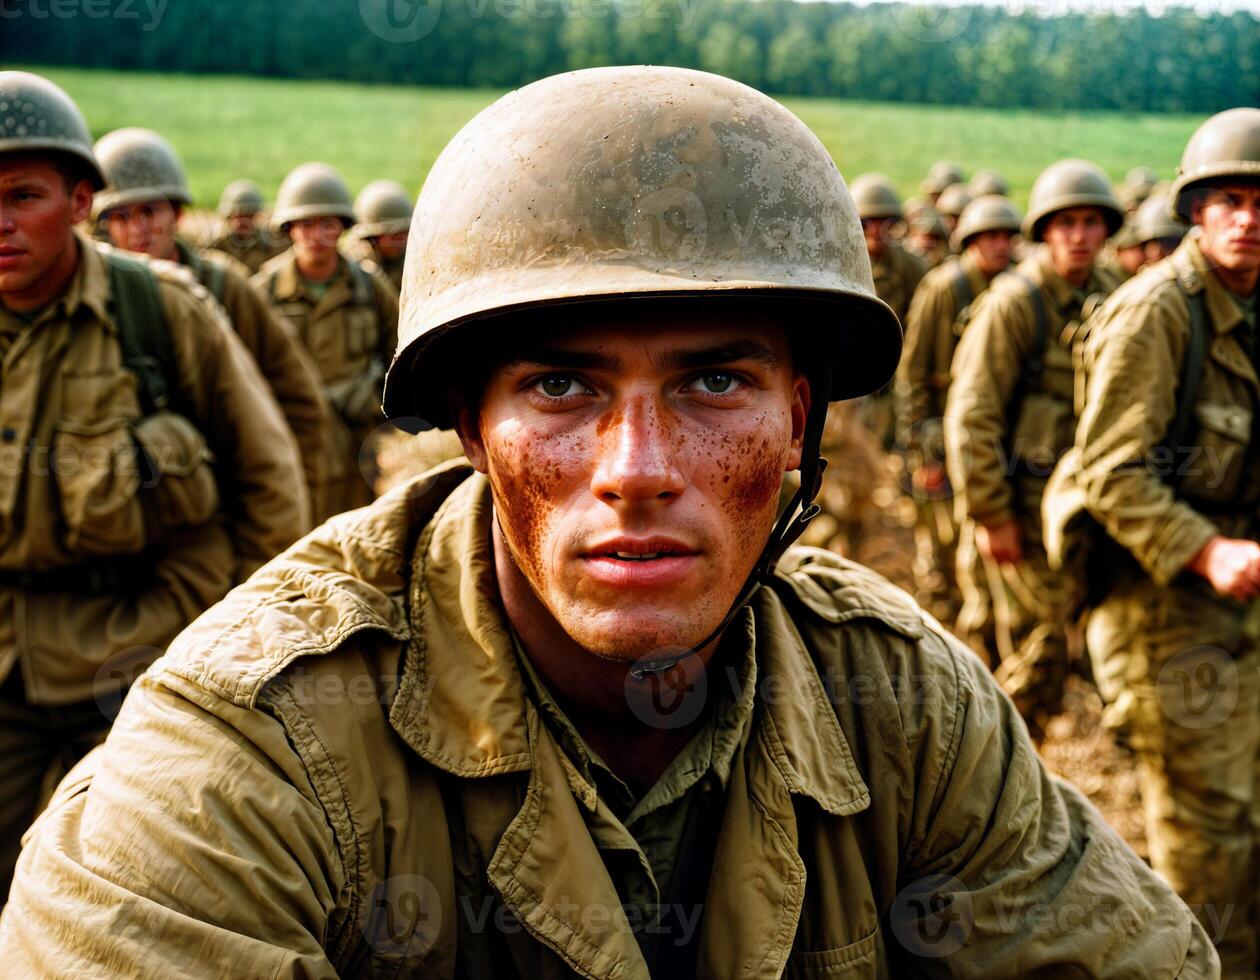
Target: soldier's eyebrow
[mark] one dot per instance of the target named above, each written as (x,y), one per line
(677,359)
(736,350)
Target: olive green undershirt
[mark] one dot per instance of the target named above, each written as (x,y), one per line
(641,839)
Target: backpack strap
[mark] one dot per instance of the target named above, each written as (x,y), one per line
(1041,328)
(136,308)
(361,284)
(214,278)
(962,290)
(1191,373)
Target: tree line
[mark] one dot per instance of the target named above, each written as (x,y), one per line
(985,56)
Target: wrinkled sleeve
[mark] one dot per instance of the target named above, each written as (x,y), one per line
(191,845)
(1134,358)
(986,369)
(1020,873)
(258,467)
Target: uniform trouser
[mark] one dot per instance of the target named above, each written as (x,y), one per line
(935,545)
(1179,669)
(974,625)
(38,745)
(1031,607)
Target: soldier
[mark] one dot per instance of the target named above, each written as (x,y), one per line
(246,234)
(984,239)
(346,313)
(1157,228)
(896,274)
(140,206)
(1009,416)
(987,183)
(927,237)
(383,214)
(942,174)
(442,736)
(1124,253)
(147,467)
(951,203)
(1137,187)
(1165,463)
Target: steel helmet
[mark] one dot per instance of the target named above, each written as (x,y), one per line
(988,213)
(1154,218)
(313,190)
(875,197)
(382,208)
(943,174)
(37,117)
(613,183)
(240,197)
(1227,145)
(1071,184)
(140,166)
(988,182)
(953,200)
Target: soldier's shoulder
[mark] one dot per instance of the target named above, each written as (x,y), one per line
(1152,296)
(343,583)
(230,263)
(857,622)
(941,278)
(273,265)
(838,590)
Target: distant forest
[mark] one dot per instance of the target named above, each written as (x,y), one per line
(982,56)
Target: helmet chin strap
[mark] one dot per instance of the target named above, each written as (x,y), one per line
(790,525)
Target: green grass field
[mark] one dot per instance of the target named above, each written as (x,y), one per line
(227,127)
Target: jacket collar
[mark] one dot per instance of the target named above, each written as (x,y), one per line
(289,284)
(90,286)
(1195,274)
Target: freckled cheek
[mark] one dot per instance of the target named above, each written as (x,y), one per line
(532,478)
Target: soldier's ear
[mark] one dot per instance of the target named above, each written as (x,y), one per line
(468,429)
(801,399)
(80,201)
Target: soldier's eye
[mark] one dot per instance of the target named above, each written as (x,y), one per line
(558,386)
(716,383)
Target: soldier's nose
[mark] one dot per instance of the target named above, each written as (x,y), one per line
(638,455)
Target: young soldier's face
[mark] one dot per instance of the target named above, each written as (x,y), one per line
(147,228)
(992,251)
(636,471)
(315,239)
(1075,237)
(37,218)
(1229,216)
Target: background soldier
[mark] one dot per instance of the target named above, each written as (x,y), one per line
(148,468)
(896,273)
(1137,186)
(927,237)
(1165,462)
(941,175)
(141,206)
(246,235)
(383,217)
(987,183)
(1124,255)
(1009,417)
(984,239)
(950,205)
(1157,228)
(345,312)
